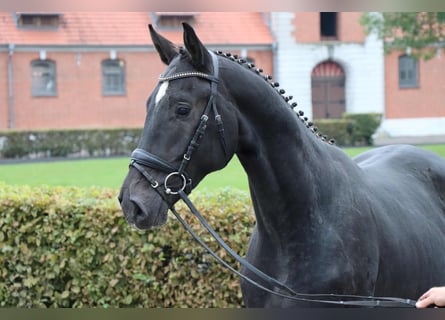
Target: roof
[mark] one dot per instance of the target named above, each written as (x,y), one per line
(130,28)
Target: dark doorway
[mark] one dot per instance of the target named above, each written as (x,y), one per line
(328,91)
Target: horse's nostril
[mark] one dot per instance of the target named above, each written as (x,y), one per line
(137,210)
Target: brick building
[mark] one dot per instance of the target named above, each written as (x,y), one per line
(96,70)
(328,63)
(90,70)
(331,66)
(414,101)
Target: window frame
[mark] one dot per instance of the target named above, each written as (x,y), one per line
(47,68)
(403,67)
(112,68)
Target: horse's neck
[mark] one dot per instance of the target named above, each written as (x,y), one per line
(288,167)
(283,173)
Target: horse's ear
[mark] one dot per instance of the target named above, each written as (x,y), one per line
(167,50)
(201,58)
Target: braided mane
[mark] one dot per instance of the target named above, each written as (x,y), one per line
(276,85)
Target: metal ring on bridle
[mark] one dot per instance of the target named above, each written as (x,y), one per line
(169,190)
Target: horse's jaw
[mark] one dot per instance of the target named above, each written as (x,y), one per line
(142,206)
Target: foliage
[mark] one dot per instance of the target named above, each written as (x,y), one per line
(71,247)
(354,129)
(362,127)
(62,143)
(421,32)
(336,129)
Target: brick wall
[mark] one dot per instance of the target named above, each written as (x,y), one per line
(307,27)
(4,96)
(79,102)
(263,59)
(427,100)
(349,28)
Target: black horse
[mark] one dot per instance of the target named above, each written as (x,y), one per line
(374,225)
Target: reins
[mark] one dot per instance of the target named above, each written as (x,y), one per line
(141,158)
(363,301)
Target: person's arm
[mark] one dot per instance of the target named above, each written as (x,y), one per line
(434,296)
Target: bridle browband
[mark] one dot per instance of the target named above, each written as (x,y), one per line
(140,159)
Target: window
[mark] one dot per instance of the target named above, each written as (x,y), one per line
(172,20)
(113,77)
(328,25)
(38,20)
(43,78)
(408,72)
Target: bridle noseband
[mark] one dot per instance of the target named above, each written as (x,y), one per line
(140,159)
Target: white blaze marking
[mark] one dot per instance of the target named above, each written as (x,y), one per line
(161,92)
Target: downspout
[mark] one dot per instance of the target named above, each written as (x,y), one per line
(271,25)
(275,65)
(11,86)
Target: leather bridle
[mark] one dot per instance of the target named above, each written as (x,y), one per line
(140,159)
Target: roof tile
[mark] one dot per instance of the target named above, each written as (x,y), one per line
(130,28)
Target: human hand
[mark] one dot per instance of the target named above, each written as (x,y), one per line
(434,296)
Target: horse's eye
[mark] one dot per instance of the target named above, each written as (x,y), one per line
(183,110)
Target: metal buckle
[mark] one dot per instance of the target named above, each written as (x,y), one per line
(168,190)
(154,184)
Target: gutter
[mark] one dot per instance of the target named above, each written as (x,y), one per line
(11,86)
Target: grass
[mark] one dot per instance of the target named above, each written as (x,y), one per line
(102,173)
(111,172)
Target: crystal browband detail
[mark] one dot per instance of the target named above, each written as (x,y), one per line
(181,75)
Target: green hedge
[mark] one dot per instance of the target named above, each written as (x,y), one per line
(363,127)
(352,129)
(336,129)
(62,143)
(71,247)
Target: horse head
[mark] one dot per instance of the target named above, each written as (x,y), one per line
(190,130)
